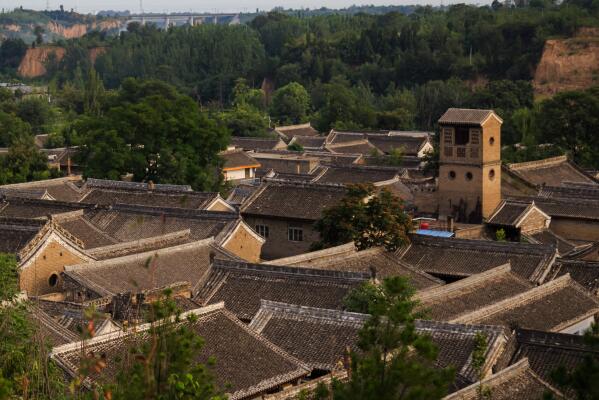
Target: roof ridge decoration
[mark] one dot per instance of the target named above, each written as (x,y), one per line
(527,297)
(505,375)
(311,184)
(232,266)
(67,216)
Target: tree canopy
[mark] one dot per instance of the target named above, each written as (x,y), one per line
(367,218)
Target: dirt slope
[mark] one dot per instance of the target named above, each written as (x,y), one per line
(568,64)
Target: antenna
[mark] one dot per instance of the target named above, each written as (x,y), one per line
(47,5)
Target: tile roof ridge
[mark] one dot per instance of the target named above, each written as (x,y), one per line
(348,248)
(428,295)
(44,182)
(296,183)
(25,200)
(23,222)
(546,162)
(553,340)
(67,216)
(134,244)
(458,327)
(233,266)
(173,211)
(523,298)
(51,323)
(108,183)
(75,268)
(290,127)
(337,316)
(462,243)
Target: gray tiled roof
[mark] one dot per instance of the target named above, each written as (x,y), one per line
(550,171)
(34,208)
(358,174)
(552,306)
(509,212)
(257,143)
(294,200)
(447,302)
(242,286)
(16,233)
(245,365)
(238,159)
(318,337)
(518,381)
(375,259)
(464,257)
(144,271)
(192,200)
(465,116)
(585,273)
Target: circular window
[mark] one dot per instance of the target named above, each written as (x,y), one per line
(491,140)
(451,175)
(53,280)
(468,176)
(492,174)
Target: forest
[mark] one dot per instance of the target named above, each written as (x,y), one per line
(360,71)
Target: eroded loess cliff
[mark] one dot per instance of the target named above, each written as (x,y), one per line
(33,64)
(568,64)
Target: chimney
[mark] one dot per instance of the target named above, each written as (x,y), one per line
(450,226)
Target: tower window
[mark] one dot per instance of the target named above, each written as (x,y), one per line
(492,174)
(491,140)
(452,175)
(468,176)
(53,280)
(462,135)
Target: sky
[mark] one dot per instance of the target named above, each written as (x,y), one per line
(91,6)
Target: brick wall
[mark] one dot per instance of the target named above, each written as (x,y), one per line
(35,277)
(277,244)
(245,245)
(534,222)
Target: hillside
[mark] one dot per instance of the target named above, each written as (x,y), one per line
(568,64)
(55,24)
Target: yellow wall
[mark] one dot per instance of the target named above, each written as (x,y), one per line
(34,278)
(243,244)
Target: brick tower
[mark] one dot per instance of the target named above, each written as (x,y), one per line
(469,164)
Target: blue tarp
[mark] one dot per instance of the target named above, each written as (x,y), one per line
(430,232)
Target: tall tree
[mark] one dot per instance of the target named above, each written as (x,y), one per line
(290,104)
(155,133)
(367,218)
(393,361)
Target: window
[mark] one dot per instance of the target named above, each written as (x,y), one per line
(248,173)
(262,231)
(461,152)
(474,136)
(53,280)
(295,234)
(447,136)
(492,174)
(491,140)
(452,175)
(462,134)
(468,176)
(448,152)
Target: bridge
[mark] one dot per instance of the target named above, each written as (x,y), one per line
(167,20)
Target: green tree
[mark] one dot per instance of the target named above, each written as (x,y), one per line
(367,218)
(583,380)
(290,104)
(155,133)
(570,120)
(394,361)
(295,147)
(37,112)
(24,163)
(12,128)
(11,53)
(24,368)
